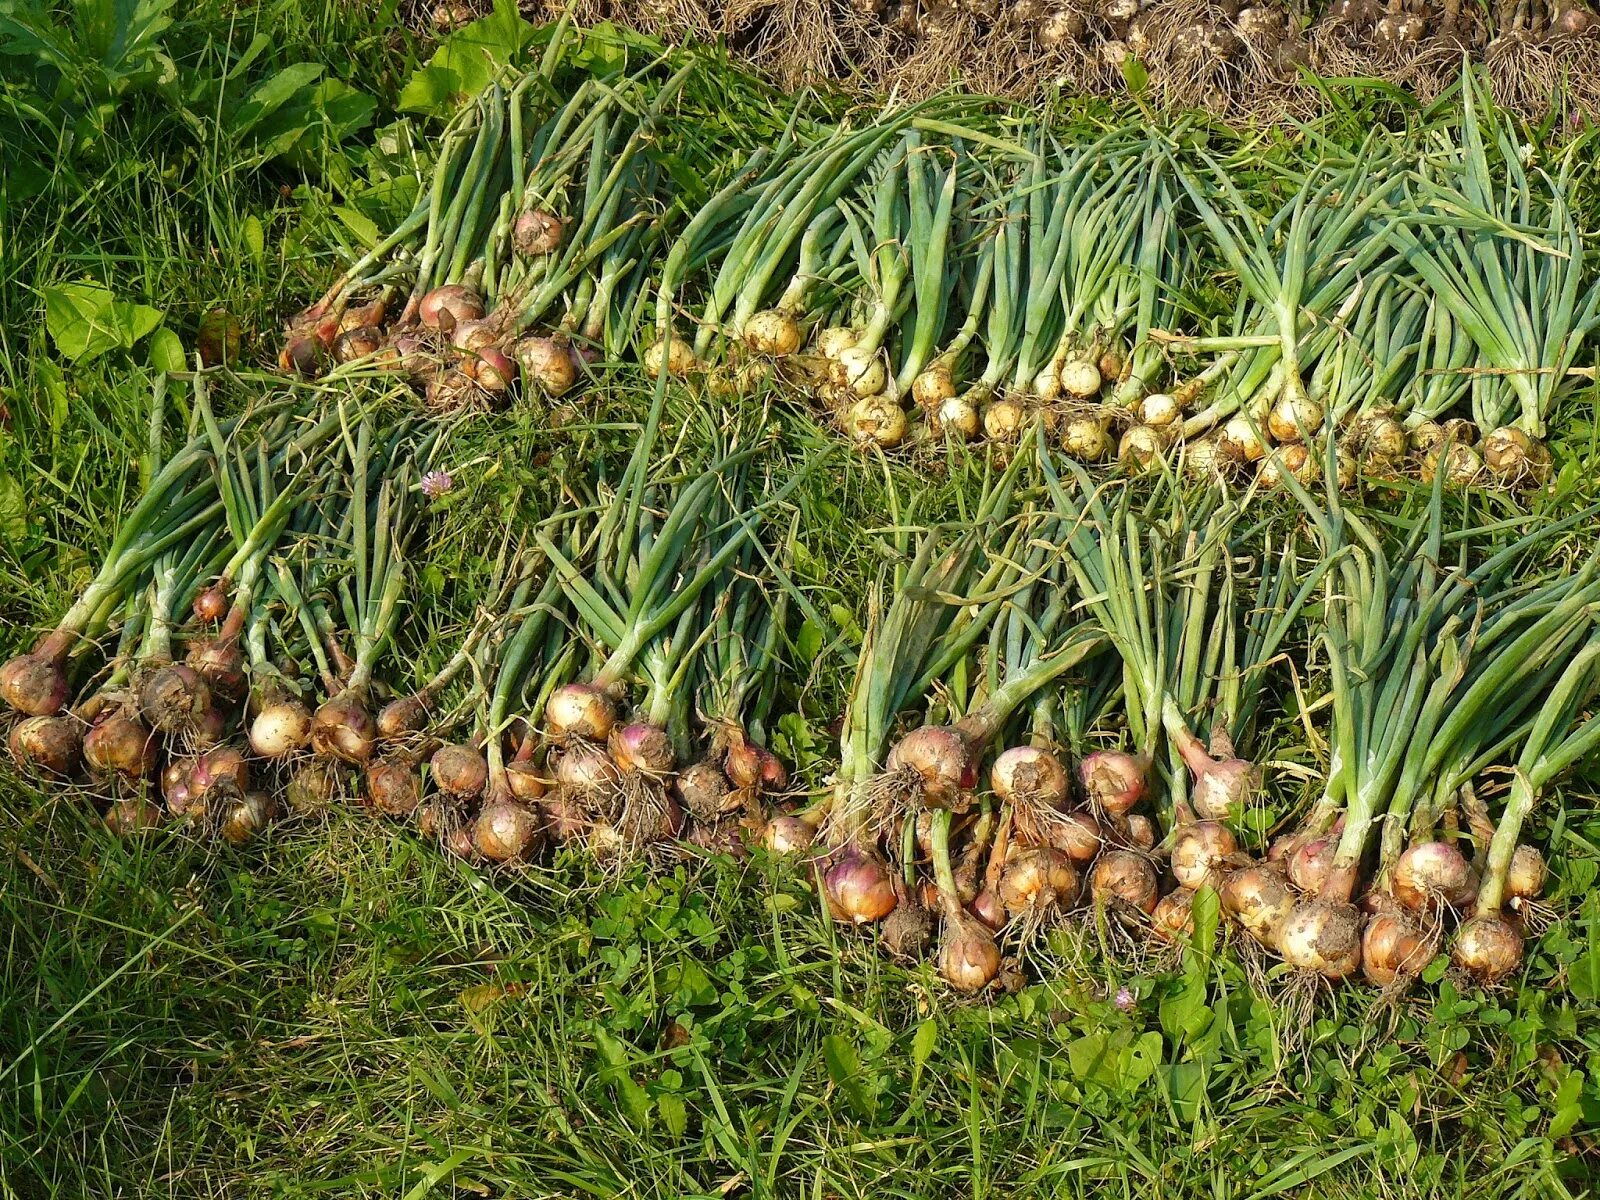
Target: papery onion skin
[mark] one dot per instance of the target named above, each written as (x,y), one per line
(1225,789)
(525,781)
(34,685)
(246,817)
(1031,774)
(1487,948)
(342,728)
(1172,919)
(789,835)
(446,307)
(988,907)
(281,728)
(1526,876)
(393,787)
(120,745)
(641,747)
(857,886)
(1141,831)
(1393,948)
(1077,835)
(1037,878)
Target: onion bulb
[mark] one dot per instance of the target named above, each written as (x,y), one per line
(393,787)
(1323,937)
(1037,879)
(857,886)
(969,959)
(1141,446)
(704,790)
(860,370)
(246,817)
(1003,419)
(282,727)
(537,232)
(1080,377)
(586,770)
(446,307)
(641,747)
(1294,417)
(1487,948)
(932,387)
(876,420)
(773,332)
(1393,947)
(673,355)
(1259,899)
(1031,775)
(1077,835)
(1199,853)
(525,781)
(1428,875)
(987,907)
(1243,440)
(579,710)
(547,364)
(51,745)
(941,759)
(956,416)
(1310,862)
(174,697)
(120,745)
(506,831)
(1159,410)
(1141,831)
(1173,917)
(751,766)
(1112,780)
(789,835)
(132,815)
(907,931)
(343,728)
(1123,877)
(835,340)
(1086,439)
(312,787)
(1526,875)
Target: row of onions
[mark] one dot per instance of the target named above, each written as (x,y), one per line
(1423,303)
(1064,705)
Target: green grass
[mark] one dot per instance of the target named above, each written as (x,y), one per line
(341,1011)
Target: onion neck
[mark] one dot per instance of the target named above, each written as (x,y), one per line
(944,875)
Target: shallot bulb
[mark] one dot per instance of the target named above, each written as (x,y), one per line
(120,745)
(393,787)
(312,787)
(1113,781)
(1031,776)
(446,307)
(506,831)
(1003,419)
(789,835)
(1173,917)
(343,728)
(942,761)
(857,886)
(876,420)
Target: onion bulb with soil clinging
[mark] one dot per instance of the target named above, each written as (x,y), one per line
(1243,440)
(908,931)
(174,697)
(704,790)
(1159,410)
(1525,877)
(969,960)
(1077,835)
(1200,853)
(773,332)
(506,831)
(1031,775)
(1294,418)
(1003,419)
(401,718)
(956,416)
(1322,936)
(245,817)
(1141,446)
(641,747)
(1080,378)
(525,781)
(578,710)
(546,364)
(876,420)
(393,787)
(587,770)
(1259,899)
(313,787)
(674,356)
(459,771)
(1487,948)
(48,744)
(857,886)
(835,340)
(1086,439)
(933,387)
(942,761)
(537,232)
(132,815)
(1123,877)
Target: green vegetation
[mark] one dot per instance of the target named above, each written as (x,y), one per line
(339,1009)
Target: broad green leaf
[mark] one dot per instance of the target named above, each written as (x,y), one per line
(635,1100)
(166,351)
(844,1068)
(255,238)
(674,1114)
(85,320)
(270,95)
(365,229)
(468,61)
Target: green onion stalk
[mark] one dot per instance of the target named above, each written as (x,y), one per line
(376,527)
(927,627)
(1488,946)
(951,411)
(1506,257)
(179,505)
(1150,293)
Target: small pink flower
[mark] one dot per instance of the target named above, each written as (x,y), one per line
(1124,1000)
(436,484)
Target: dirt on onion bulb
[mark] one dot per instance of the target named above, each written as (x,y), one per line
(393,787)
(1077,835)
(1323,937)
(969,959)
(313,787)
(343,728)
(1172,920)
(1392,948)
(174,698)
(704,790)
(1031,776)
(459,771)
(578,710)
(507,831)
(773,332)
(674,356)
(1036,880)
(751,766)
(133,815)
(1487,948)
(547,364)
(1113,781)
(587,771)
(643,748)
(1259,899)
(908,931)
(876,420)
(1428,875)
(941,760)
(120,745)
(537,232)
(280,728)
(789,835)
(1200,854)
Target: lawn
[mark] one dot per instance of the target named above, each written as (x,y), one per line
(338,1009)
